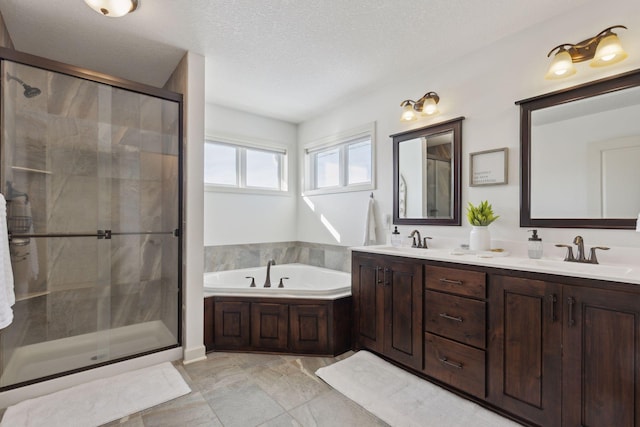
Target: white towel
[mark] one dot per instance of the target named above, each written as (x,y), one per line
(370,224)
(7,296)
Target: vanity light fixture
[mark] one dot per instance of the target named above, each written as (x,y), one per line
(427,106)
(603,49)
(113,8)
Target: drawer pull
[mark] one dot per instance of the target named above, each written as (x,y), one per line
(446,316)
(553,299)
(571,301)
(446,361)
(451,282)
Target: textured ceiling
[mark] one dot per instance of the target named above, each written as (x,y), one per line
(287,59)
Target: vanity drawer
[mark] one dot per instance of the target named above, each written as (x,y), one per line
(456,281)
(456,364)
(458,318)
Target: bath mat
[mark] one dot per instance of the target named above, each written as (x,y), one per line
(100,401)
(402,399)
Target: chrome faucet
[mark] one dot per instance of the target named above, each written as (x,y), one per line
(579,242)
(267,280)
(422,243)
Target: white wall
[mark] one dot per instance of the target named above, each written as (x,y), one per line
(188,79)
(482,87)
(232,218)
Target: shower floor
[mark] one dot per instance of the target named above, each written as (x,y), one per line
(52,357)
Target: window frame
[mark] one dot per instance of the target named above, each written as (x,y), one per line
(342,141)
(241,147)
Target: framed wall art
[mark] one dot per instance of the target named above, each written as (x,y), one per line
(488,167)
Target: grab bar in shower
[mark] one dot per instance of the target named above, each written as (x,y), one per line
(100,234)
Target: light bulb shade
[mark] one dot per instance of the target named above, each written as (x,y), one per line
(408,114)
(113,8)
(429,106)
(609,51)
(561,66)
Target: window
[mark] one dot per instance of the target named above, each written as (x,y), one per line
(341,163)
(235,166)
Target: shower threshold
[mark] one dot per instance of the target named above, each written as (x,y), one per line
(56,356)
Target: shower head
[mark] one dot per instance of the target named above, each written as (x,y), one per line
(29,91)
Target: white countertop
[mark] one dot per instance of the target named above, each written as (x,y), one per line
(626,273)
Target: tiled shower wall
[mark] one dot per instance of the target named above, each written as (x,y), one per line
(231,257)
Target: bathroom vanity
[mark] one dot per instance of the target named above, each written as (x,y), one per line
(547,342)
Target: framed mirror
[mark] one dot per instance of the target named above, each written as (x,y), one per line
(580,156)
(427,168)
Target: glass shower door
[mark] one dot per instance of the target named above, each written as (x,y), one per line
(90,173)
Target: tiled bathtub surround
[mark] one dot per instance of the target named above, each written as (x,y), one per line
(231,257)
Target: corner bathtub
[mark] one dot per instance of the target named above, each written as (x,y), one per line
(304,281)
(310,315)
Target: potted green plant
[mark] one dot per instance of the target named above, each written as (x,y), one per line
(480,217)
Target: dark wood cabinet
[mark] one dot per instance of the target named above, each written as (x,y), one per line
(309,333)
(269,326)
(564,354)
(387,298)
(548,350)
(209,340)
(303,326)
(525,348)
(231,324)
(601,360)
(458,365)
(455,327)
(368,303)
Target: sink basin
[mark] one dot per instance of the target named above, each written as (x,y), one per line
(577,267)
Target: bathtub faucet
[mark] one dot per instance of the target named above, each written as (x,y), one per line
(267,280)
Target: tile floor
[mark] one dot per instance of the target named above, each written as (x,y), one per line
(244,390)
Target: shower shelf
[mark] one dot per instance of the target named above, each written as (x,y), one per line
(23,169)
(31,295)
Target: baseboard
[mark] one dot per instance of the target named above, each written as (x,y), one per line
(195,354)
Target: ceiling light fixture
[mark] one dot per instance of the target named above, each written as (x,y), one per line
(603,49)
(113,8)
(427,106)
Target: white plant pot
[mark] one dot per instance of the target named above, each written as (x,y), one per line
(479,238)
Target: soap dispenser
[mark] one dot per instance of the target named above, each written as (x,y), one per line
(535,245)
(396,240)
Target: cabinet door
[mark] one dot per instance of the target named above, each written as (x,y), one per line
(368,302)
(309,330)
(269,326)
(525,354)
(601,371)
(231,324)
(403,287)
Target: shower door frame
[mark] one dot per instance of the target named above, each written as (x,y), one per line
(120,83)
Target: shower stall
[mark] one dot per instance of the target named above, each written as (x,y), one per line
(90,166)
